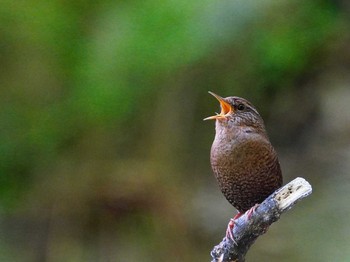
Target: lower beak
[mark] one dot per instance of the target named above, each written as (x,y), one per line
(226,108)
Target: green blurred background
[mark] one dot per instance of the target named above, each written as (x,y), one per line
(104,155)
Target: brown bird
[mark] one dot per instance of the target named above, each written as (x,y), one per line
(242,158)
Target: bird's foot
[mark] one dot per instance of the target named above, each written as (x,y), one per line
(251,211)
(230,226)
(229,233)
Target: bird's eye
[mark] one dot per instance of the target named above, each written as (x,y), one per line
(241,107)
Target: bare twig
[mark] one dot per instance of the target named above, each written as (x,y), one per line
(246,231)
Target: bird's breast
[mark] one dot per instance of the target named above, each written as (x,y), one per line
(243,156)
(247,169)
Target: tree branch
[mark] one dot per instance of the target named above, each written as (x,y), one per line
(246,231)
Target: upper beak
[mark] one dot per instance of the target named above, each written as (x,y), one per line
(226,108)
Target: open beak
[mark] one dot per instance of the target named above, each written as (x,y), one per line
(226,108)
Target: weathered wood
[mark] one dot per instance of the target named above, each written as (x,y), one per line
(246,231)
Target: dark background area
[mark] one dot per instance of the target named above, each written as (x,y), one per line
(104,155)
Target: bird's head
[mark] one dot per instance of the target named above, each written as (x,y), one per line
(237,112)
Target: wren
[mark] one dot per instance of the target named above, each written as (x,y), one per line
(242,158)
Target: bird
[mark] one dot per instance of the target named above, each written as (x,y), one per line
(242,158)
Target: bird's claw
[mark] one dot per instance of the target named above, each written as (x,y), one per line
(229,233)
(251,211)
(230,226)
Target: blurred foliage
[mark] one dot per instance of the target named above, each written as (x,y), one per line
(104,156)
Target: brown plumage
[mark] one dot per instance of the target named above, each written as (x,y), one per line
(242,158)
